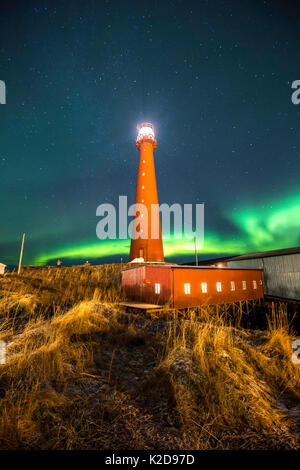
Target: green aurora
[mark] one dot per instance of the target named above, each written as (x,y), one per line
(273,226)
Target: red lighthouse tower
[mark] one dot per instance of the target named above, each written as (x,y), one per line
(147,248)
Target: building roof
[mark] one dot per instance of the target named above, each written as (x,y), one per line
(259,254)
(182,266)
(1,264)
(265,254)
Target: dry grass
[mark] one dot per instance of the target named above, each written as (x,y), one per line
(41,361)
(43,291)
(226,388)
(81,374)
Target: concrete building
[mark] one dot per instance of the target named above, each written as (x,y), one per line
(189,286)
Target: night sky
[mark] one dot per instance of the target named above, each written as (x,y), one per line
(214,77)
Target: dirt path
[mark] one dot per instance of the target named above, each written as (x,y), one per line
(147,417)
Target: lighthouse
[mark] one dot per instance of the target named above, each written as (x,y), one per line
(145,247)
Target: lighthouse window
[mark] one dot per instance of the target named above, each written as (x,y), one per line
(244,285)
(232,285)
(219,286)
(254,285)
(157,288)
(204,287)
(187,288)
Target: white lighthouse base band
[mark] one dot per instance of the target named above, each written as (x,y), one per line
(138,260)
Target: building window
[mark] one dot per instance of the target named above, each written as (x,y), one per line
(143,173)
(260,282)
(232,285)
(244,285)
(254,285)
(187,288)
(219,286)
(157,288)
(204,287)
(143,187)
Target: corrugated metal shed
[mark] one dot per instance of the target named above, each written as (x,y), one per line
(281,270)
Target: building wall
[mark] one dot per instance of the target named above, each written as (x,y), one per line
(211,277)
(132,281)
(281,274)
(2,268)
(158,275)
(139,284)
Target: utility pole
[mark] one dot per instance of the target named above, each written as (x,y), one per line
(21,254)
(195,249)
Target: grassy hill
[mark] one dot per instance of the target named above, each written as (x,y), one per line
(82,373)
